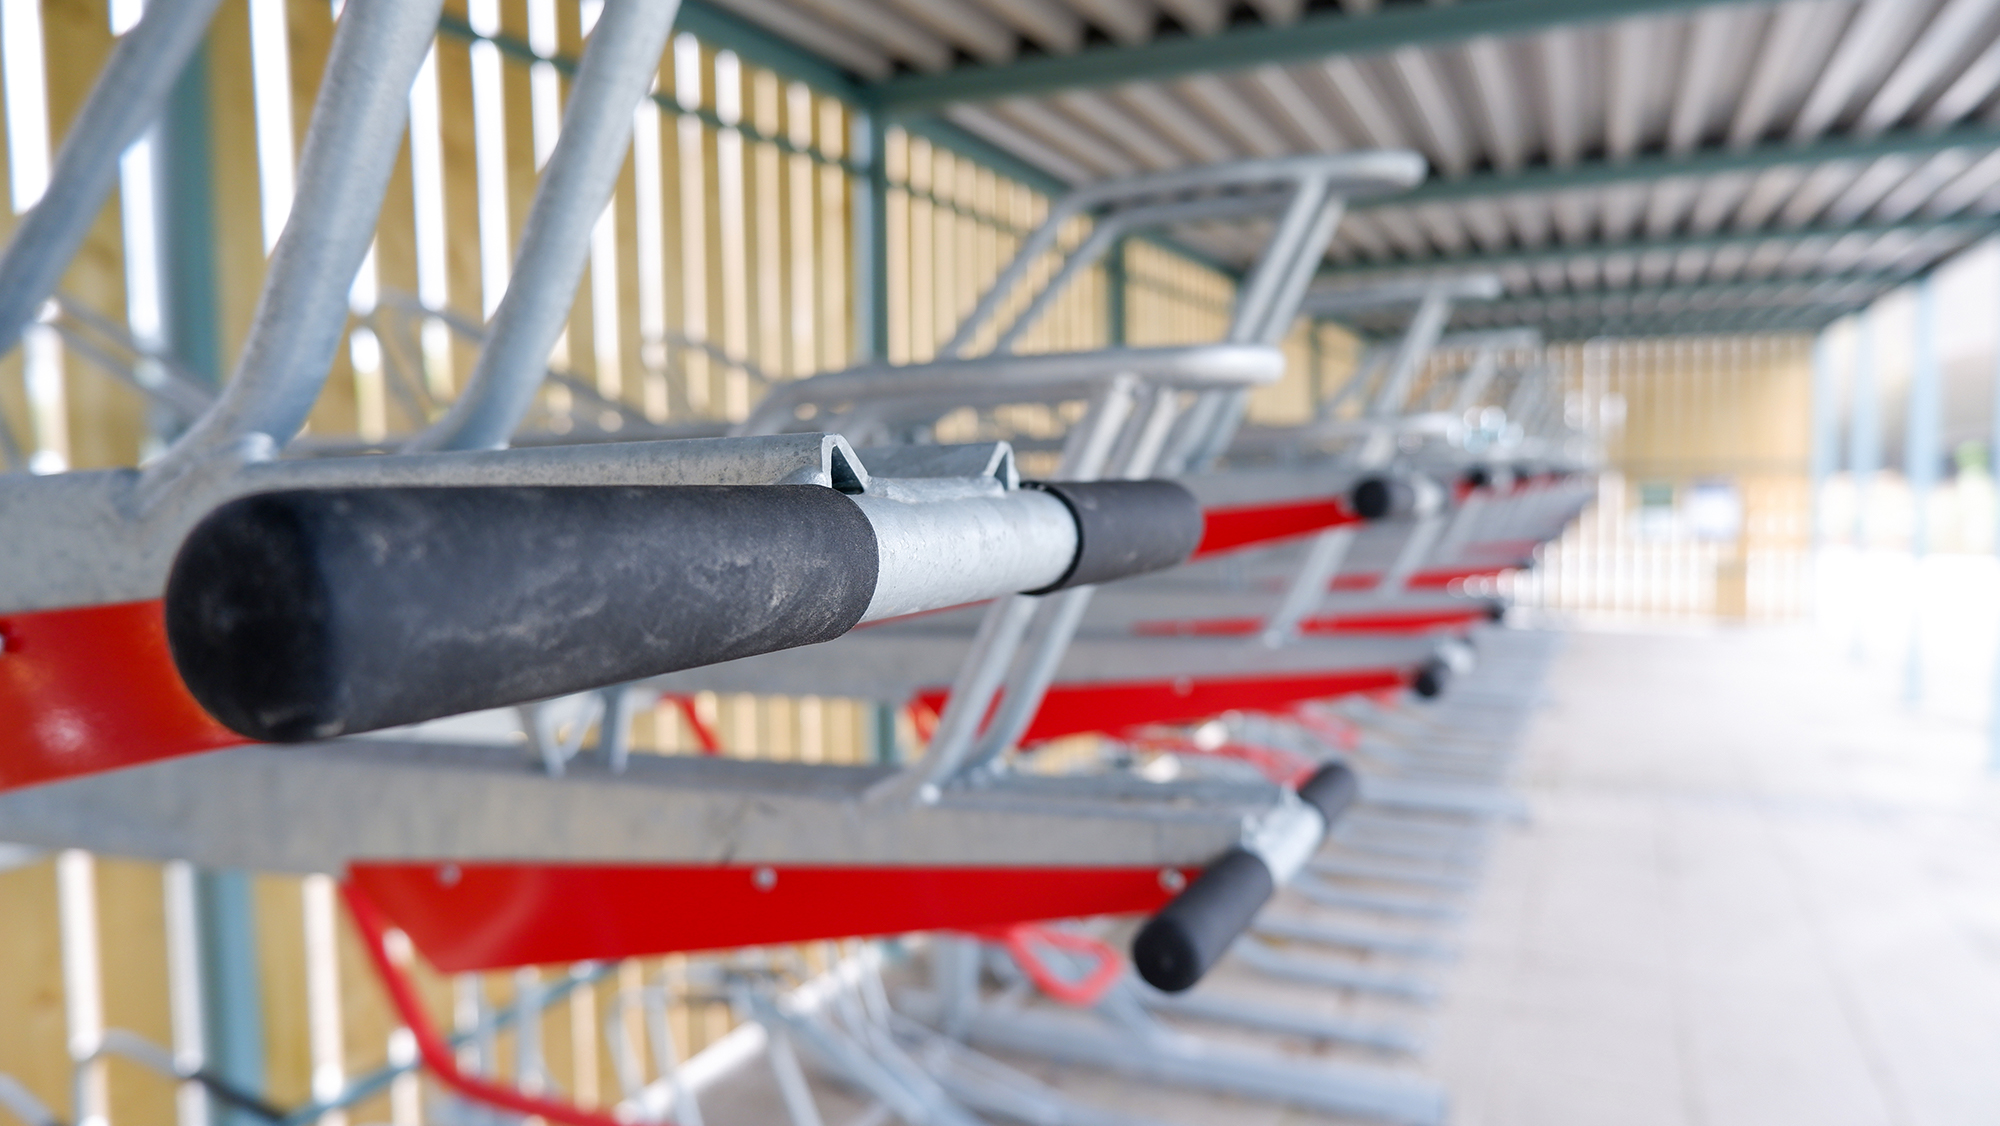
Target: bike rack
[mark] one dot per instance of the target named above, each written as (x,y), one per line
(817,515)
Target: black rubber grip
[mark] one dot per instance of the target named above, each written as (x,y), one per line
(1125,528)
(1431,679)
(314,613)
(1331,789)
(1376,498)
(1189,935)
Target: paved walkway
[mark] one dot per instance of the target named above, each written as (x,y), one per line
(1755,891)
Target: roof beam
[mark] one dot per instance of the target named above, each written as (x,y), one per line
(1372,273)
(1724,297)
(1720,161)
(1256,44)
(1810,321)
(1822,299)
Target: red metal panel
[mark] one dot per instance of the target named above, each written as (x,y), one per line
(1386,621)
(1437,580)
(1230,528)
(487,916)
(1116,707)
(93,688)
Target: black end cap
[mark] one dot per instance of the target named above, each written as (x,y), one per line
(1331,789)
(1373,499)
(250,621)
(307,614)
(1431,679)
(1189,935)
(1125,528)
(1477,477)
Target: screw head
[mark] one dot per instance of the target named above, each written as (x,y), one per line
(764,878)
(1173,880)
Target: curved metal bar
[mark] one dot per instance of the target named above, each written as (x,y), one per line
(1009,378)
(1118,224)
(126,99)
(1373,172)
(618,67)
(350,149)
(1254,299)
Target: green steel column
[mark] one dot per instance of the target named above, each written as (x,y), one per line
(232,1001)
(187,230)
(184,201)
(1114,295)
(1864,446)
(1825,431)
(1922,452)
(1993,468)
(870,247)
(1316,358)
(870,295)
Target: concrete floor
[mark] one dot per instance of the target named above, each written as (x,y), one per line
(1755,890)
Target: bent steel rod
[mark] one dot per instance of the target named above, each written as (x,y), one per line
(350,149)
(126,99)
(618,68)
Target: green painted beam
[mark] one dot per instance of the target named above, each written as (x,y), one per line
(1717,161)
(948,135)
(1256,44)
(1693,299)
(981,151)
(1814,301)
(1738,325)
(1566,325)
(1365,273)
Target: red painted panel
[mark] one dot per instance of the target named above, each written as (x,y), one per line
(1115,707)
(1437,580)
(1230,528)
(93,688)
(1388,621)
(1422,580)
(487,916)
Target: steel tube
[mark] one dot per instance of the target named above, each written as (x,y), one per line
(1262,287)
(344,171)
(967,549)
(123,103)
(618,68)
(1006,379)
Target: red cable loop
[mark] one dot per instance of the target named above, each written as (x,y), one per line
(923,717)
(1083,993)
(432,1049)
(704,735)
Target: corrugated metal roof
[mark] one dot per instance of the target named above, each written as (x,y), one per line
(1762,81)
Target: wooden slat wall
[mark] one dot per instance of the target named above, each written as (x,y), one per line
(1676,412)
